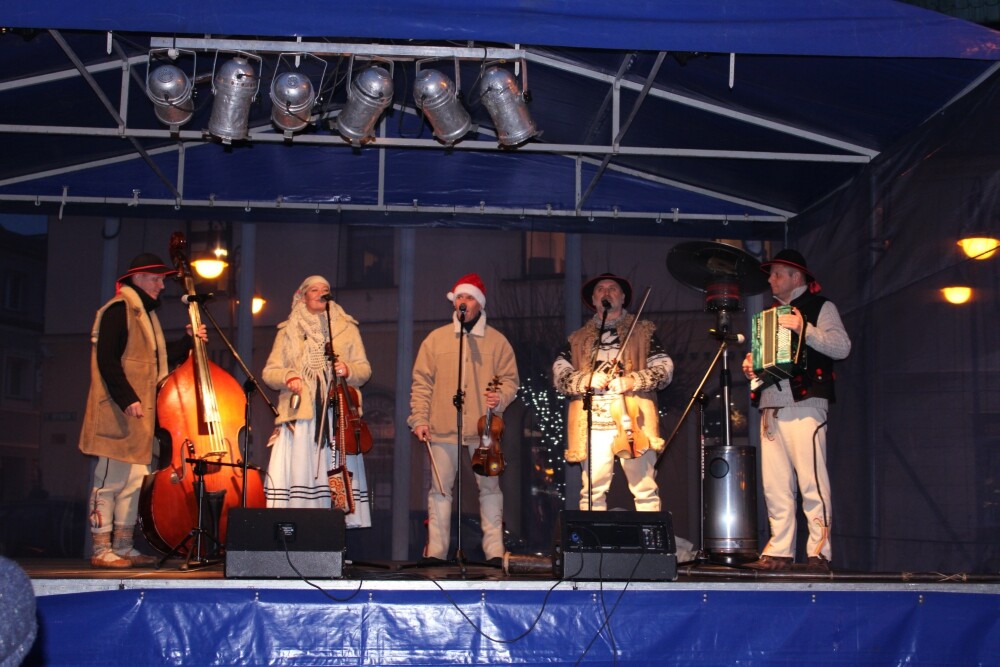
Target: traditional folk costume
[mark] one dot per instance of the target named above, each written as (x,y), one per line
(304,447)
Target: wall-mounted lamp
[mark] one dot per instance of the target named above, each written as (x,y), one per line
(234,86)
(437,96)
(169,87)
(957,294)
(210,265)
(293,94)
(506,106)
(367,97)
(979,247)
(257,304)
(210,262)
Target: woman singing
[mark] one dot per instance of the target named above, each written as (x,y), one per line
(301,368)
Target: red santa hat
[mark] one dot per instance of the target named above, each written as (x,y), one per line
(472,285)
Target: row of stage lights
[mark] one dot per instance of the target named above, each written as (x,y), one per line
(235,85)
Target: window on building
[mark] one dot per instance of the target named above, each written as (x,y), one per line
(18,378)
(370,257)
(544,253)
(13,290)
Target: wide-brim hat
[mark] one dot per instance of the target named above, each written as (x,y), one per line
(792,258)
(587,292)
(147,262)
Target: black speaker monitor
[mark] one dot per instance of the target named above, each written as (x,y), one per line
(615,546)
(285,543)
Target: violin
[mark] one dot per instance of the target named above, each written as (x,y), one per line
(487,460)
(356,436)
(630,442)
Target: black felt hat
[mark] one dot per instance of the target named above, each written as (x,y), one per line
(587,292)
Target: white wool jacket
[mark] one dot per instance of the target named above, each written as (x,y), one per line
(287,360)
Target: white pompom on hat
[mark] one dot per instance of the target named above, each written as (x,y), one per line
(472,285)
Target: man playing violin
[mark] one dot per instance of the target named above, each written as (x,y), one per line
(129,358)
(489,381)
(621,386)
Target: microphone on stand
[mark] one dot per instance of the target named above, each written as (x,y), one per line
(461,312)
(739,339)
(327,297)
(606,305)
(197,298)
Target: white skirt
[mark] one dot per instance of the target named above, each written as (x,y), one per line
(297,474)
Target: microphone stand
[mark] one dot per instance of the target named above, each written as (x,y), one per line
(588,406)
(725,381)
(459,402)
(248,387)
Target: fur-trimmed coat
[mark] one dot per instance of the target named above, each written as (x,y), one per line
(571,376)
(286,360)
(107,430)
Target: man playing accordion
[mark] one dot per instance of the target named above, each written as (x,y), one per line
(793,418)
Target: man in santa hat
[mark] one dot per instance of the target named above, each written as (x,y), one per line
(489,381)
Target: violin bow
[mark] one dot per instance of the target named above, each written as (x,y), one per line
(437,476)
(613,364)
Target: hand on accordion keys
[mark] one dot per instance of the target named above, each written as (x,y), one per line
(793,322)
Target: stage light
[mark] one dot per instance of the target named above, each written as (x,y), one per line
(234,86)
(169,88)
(957,294)
(367,97)
(979,247)
(506,106)
(293,94)
(437,97)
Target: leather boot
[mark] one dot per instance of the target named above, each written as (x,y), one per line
(104,557)
(124,547)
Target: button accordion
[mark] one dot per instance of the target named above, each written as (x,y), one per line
(777,353)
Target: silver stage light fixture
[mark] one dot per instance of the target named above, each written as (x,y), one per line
(234,86)
(293,95)
(367,97)
(169,88)
(506,106)
(437,96)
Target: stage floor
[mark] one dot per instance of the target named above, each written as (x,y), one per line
(406,614)
(57,576)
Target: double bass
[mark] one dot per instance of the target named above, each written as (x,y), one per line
(202,407)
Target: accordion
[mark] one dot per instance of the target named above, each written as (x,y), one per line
(777,353)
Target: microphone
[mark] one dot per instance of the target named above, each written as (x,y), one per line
(739,339)
(296,399)
(606,305)
(327,297)
(197,298)
(461,311)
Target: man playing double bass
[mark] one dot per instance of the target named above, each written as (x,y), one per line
(629,391)
(129,357)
